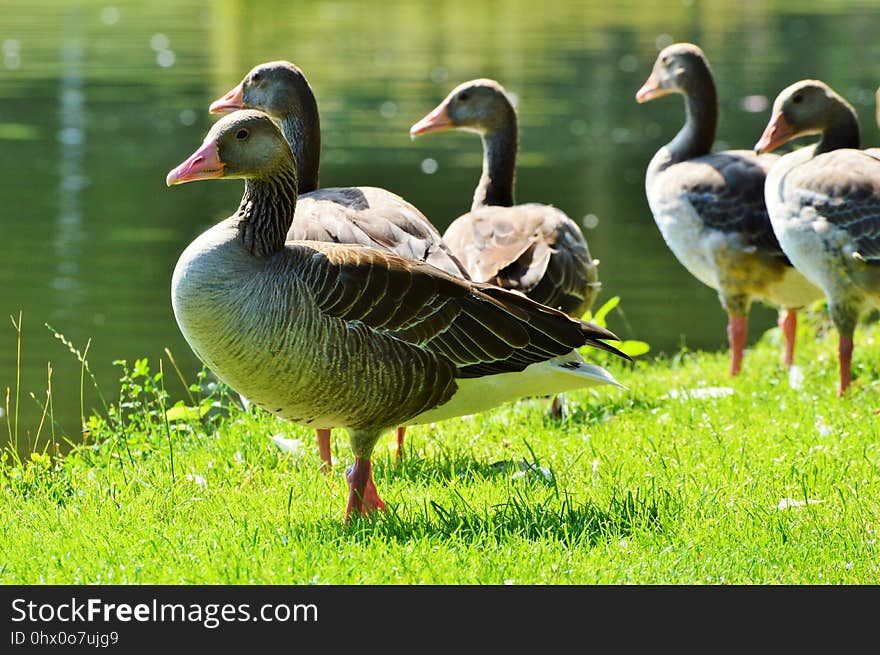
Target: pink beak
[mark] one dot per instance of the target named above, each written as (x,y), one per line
(437,121)
(230,102)
(650,89)
(203,164)
(777,132)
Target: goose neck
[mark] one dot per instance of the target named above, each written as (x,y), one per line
(266,212)
(843,132)
(499,166)
(696,137)
(302,131)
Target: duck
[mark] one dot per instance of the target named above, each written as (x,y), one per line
(709,207)
(371,216)
(533,248)
(344,335)
(824,203)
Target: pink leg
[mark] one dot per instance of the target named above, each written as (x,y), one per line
(737,329)
(401,432)
(788,325)
(844,355)
(362,495)
(324,449)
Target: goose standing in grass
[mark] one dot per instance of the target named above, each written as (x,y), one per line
(341,335)
(824,202)
(369,216)
(532,248)
(710,206)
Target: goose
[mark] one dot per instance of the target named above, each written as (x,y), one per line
(367,215)
(709,206)
(344,335)
(532,248)
(824,202)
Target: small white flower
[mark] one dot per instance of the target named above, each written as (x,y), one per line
(824,430)
(786,503)
(709,392)
(701,393)
(292,446)
(198,480)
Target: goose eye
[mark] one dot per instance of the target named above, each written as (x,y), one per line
(256,77)
(242,134)
(464,96)
(797,98)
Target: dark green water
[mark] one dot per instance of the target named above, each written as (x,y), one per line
(98,100)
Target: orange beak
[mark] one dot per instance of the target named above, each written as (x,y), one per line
(777,132)
(437,121)
(650,89)
(203,164)
(230,102)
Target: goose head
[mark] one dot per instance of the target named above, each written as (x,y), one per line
(278,88)
(244,144)
(803,108)
(677,68)
(480,106)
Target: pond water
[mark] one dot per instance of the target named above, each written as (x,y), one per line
(98,100)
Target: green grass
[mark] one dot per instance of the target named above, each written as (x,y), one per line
(643,485)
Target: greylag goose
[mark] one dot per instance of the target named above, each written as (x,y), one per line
(343,335)
(369,216)
(710,208)
(532,248)
(824,202)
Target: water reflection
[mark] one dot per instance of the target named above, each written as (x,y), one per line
(116,93)
(68,232)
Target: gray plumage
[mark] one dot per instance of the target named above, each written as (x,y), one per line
(532,248)
(343,335)
(709,206)
(824,200)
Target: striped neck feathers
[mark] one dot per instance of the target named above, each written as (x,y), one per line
(266,212)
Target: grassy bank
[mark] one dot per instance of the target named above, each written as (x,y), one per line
(686,476)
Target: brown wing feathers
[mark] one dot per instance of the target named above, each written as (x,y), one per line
(480,328)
